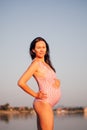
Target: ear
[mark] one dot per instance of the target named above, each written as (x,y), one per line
(33,50)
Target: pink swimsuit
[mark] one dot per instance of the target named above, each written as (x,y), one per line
(45,84)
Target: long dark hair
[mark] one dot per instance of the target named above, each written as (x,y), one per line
(47,55)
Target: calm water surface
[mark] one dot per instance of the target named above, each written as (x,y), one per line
(28,122)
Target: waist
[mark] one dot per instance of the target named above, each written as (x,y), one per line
(55,83)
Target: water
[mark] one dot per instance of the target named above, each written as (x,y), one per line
(70,122)
(28,122)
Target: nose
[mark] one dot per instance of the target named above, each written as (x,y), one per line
(42,50)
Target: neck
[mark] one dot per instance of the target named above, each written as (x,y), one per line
(40,59)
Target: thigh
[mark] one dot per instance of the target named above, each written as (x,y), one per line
(45,113)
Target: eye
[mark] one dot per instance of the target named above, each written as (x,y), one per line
(44,47)
(38,47)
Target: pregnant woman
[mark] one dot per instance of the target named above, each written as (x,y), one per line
(49,86)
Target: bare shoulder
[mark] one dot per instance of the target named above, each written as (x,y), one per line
(33,66)
(34,63)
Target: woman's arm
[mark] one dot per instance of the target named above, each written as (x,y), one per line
(22,82)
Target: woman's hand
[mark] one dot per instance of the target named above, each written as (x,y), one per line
(56,83)
(41,95)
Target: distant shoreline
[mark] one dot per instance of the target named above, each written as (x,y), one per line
(7,109)
(8,112)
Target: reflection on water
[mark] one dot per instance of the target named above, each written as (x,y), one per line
(4,118)
(15,116)
(27,121)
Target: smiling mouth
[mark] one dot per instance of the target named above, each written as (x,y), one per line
(42,53)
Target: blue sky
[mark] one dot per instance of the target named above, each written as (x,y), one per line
(63,23)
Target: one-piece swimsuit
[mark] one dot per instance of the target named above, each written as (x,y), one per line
(46,85)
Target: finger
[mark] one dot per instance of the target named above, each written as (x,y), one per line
(43,93)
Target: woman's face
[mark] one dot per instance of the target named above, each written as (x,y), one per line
(40,49)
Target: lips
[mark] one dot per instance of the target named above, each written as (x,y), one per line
(41,53)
